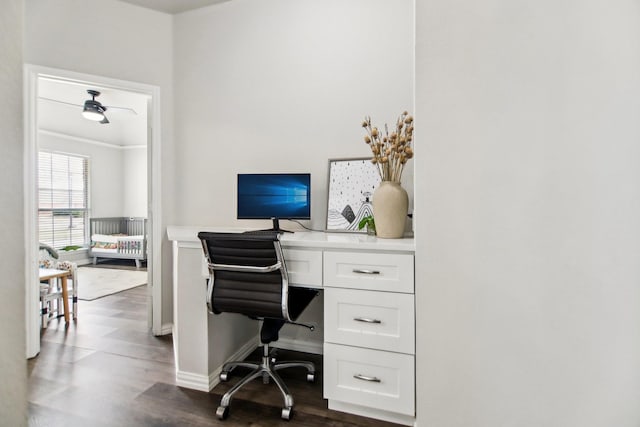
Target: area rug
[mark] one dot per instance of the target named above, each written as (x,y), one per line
(99,282)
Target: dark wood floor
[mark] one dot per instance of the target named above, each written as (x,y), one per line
(107,369)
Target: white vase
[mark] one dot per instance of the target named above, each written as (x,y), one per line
(390,207)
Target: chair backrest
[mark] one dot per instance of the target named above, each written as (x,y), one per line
(247,274)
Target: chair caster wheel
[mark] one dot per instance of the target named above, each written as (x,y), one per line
(222,412)
(287,413)
(311,377)
(224,376)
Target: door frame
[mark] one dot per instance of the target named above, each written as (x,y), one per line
(154,181)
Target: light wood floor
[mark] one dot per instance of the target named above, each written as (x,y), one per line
(107,369)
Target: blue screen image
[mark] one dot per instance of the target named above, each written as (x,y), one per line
(264,196)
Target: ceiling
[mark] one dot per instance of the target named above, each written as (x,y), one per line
(173,6)
(124,129)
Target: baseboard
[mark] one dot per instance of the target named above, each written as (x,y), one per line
(241,354)
(379,414)
(166,329)
(208,382)
(312,347)
(192,381)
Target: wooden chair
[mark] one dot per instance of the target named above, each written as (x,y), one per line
(51,302)
(51,292)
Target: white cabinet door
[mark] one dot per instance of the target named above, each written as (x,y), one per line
(369,271)
(378,320)
(372,378)
(304,267)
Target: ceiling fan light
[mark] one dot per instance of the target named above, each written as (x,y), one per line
(93,114)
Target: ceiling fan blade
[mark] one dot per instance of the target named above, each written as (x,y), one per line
(61,102)
(126,110)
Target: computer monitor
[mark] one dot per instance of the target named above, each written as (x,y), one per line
(274,196)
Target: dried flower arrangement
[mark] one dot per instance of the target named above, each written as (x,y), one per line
(391,151)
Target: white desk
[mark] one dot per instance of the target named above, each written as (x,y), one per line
(368,318)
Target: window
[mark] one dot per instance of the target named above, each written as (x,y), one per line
(62,199)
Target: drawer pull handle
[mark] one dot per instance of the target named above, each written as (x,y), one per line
(366,378)
(363,271)
(366,320)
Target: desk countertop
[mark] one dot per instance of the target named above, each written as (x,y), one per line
(305,239)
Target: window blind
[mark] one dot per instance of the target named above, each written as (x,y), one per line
(62,199)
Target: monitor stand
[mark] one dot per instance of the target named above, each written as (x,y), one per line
(276,226)
(275,229)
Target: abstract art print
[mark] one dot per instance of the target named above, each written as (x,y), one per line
(351,186)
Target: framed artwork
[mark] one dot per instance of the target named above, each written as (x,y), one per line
(351,186)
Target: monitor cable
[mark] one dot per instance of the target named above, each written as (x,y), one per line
(304,226)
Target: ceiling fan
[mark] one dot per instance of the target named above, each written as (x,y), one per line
(94,110)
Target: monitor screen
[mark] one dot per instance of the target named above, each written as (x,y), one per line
(276,195)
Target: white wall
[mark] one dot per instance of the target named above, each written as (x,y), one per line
(13,367)
(282,86)
(126,42)
(528,204)
(134,189)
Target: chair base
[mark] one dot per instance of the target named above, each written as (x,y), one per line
(267,369)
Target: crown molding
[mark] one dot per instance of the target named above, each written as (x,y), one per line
(89,141)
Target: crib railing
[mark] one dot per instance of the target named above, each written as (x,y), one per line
(130,226)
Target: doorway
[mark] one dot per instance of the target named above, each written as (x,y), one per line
(34,93)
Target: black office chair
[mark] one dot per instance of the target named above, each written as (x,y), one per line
(247,275)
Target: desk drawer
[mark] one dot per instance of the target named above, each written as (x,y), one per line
(304,267)
(372,378)
(369,271)
(379,320)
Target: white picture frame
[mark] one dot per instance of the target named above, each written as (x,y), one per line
(349,193)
